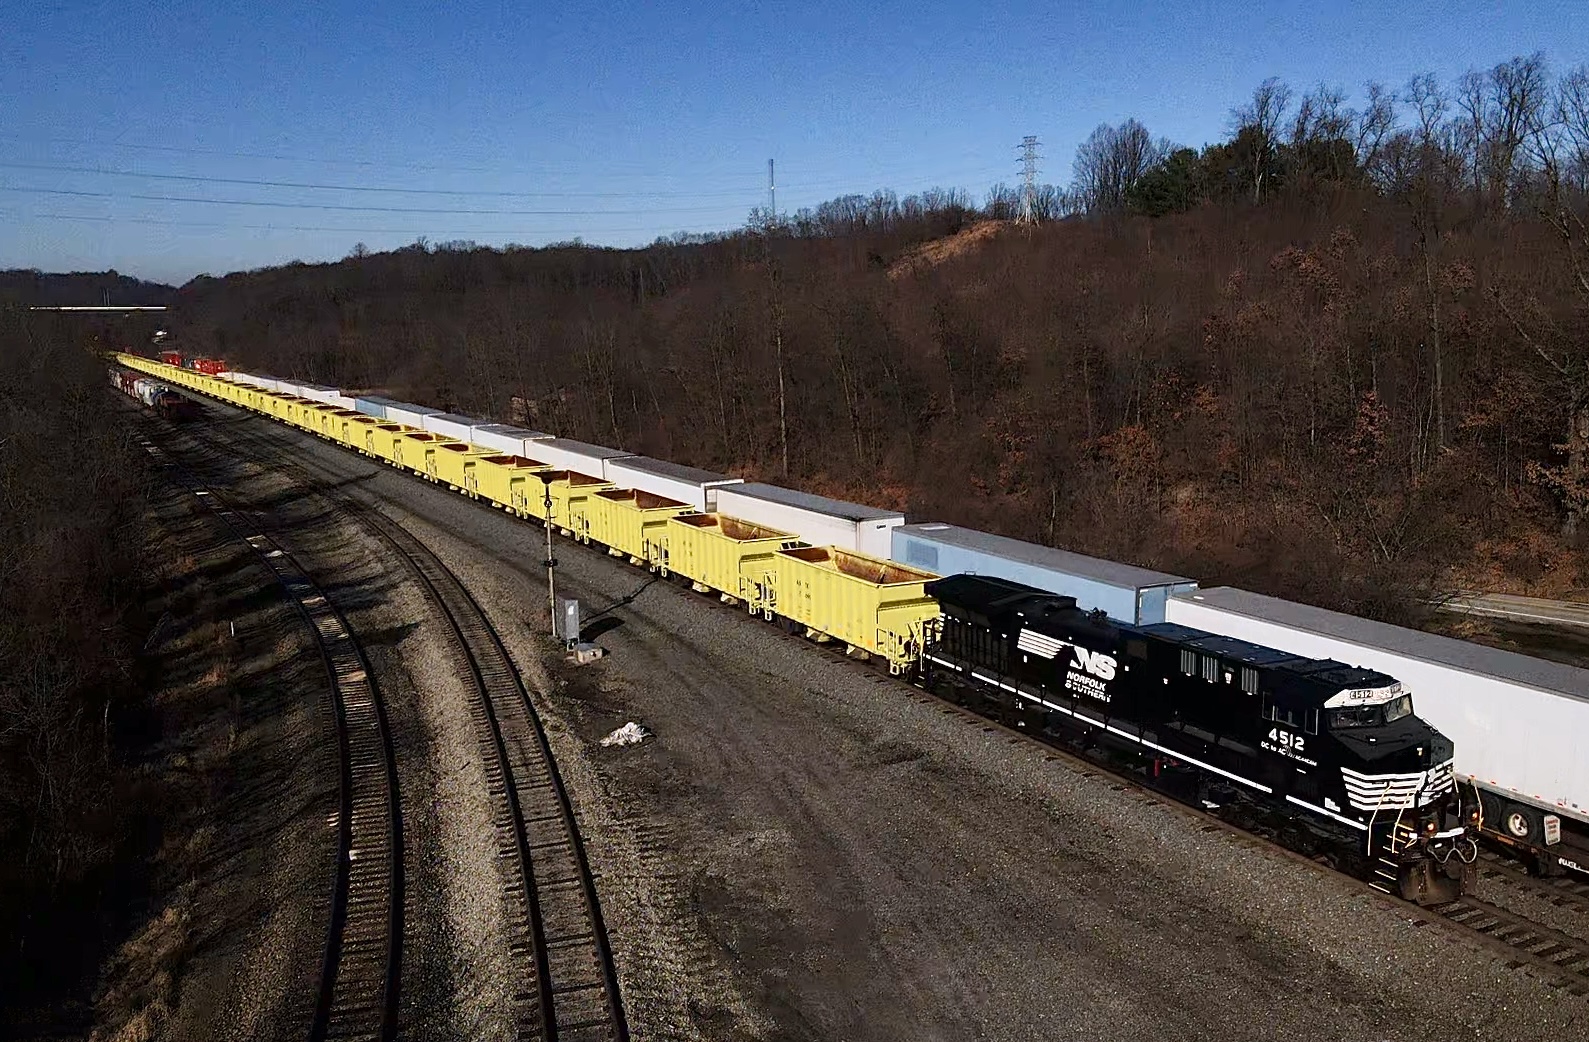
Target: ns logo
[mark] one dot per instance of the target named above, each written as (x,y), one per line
(1094,662)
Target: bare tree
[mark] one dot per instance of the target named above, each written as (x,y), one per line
(1557,132)
(1259,121)
(1519,93)
(1111,161)
(1571,116)
(1499,110)
(1375,124)
(1002,202)
(1432,178)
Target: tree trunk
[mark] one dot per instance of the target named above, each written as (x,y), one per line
(783,414)
(1434,344)
(1575,475)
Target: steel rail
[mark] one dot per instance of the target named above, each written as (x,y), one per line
(559,932)
(360,969)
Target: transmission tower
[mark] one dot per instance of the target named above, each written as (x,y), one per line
(1029,179)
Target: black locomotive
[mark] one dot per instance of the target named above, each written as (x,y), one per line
(1335,743)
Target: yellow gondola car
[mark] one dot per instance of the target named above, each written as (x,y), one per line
(416,451)
(626,521)
(512,483)
(873,605)
(720,554)
(456,462)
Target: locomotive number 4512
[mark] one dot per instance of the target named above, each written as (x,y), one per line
(1286,740)
(1289,745)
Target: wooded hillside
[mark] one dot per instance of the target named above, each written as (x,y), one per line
(1342,356)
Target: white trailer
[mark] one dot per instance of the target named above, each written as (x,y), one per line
(409,415)
(264,383)
(504,437)
(818,520)
(1520,724)
(692,486)
(581,457)
(317,393)
(1124,591)
(452,425)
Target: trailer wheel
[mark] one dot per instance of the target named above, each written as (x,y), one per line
(1521,824)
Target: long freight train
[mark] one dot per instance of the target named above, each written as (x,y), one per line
(839,571)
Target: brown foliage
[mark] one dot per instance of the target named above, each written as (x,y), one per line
(69,568)
(1246,394)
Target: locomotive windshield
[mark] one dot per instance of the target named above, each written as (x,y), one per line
(1374,715)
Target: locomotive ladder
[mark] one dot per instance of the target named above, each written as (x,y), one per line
(1387,866)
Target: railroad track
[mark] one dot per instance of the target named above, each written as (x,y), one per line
(546,876)
(1566,892)
(557,929)
(1557,953)
(359,974)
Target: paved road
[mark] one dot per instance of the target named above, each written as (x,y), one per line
(1521,609)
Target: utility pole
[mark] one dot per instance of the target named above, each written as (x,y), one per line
(1029,179)
(772,197)
(551,562)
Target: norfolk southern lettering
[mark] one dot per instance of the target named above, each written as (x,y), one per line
(1334,743)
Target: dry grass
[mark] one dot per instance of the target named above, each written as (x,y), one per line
(137,1007)
(933,253)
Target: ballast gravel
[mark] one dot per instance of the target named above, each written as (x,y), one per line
(456,981)
(805,850)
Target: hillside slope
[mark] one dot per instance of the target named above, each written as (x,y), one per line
(1249,395)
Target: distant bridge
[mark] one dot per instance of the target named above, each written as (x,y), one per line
(96,307)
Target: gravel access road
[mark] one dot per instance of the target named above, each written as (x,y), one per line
(807,851)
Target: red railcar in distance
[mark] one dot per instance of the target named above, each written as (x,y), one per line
(171,357)
(209,366)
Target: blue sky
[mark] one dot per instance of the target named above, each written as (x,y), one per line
(622,121)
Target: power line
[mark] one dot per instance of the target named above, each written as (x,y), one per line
(609,169)
(231,226)
(453,192)
(356,209)
(277,157)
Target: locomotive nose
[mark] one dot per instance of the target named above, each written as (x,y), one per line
(1438,750)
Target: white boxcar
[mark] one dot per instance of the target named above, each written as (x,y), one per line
(1124,591)
(452,425)
(692,486)
(409,415)
(578,456)
(1520,724)
(267,383)
(816,519)
(504,437)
